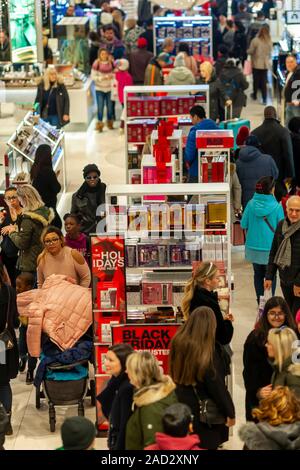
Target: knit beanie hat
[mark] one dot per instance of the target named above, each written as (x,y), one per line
(297,318)
(242,135)
(142,42)
(122,64)
(179,61)
(91,167)
(77,433)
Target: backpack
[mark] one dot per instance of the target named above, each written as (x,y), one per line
(230,88)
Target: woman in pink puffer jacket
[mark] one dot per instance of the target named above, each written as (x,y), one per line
(60,309)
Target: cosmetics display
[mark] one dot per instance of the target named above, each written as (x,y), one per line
(160,106)
(155,293)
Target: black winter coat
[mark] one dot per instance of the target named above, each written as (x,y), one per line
(276,141)
(62,101)
(85,203)
(289,276)
(213,386)
(204,298)
(214,97)
(289,90)
(9,370)
(257,371)
(233,76)
(296,155)
(116,404)
(48,187)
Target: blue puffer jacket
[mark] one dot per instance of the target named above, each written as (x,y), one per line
(250,167)
(191,152)
(259,235)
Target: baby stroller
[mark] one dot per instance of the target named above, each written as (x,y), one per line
(65,385)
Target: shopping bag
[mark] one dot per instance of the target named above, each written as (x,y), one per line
(262,302)
(247,68)
(237,235)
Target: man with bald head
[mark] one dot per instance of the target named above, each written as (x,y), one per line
(285,255)
(276,141)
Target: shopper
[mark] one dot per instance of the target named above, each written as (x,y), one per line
(260,51)
(153,72)
(154,393)
(197,368)
(239,48)
(232,84)
(4,47)
(285,255)
(252,165)
(222,58)
(294,128)
(258,371)
(24,283)
(291,89)
(9,367)
(53,99)
(74,238)
(118,23)
(88,198)
(9,251)
(208,77)
(94,46)
(48,54)
(177,422)
(228,36)
(132,33)
(78,433)
(116,398)
(190,61)
(114,46)
(200,292)
(102,74)
(200,123)
(26,233)
(276,141)
(235,194)
(180,74)
(138,61)
(260,219)
(57,258)
(123,79)
(45,181)
(148,35)
(278,427)
(255,26)
(282,348)
(243,16)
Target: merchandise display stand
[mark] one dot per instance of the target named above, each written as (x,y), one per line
(214,155)
(176,142)
(29,135)
(145,106)
(196,31)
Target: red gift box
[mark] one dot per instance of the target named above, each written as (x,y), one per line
(135,106)
(135,132)
(185,103)
(100,355)
(169,106)
(152,106)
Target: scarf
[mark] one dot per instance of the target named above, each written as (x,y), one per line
(85,188)
(283,257)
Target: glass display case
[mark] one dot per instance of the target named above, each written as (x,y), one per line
(29,135)
(72,34)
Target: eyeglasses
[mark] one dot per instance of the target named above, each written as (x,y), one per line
(92,177)
(276,314)
(11,198)
(50,242)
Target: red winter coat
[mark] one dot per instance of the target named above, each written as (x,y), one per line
(165,442)
(124,79)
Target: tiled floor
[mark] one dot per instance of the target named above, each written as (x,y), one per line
(31,429)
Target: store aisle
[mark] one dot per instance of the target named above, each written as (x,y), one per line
(31,428)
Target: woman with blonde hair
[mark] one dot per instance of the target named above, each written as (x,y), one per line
(154,393)
(278,425)
(26,233)
(53,99)
(208,77)
(198,370)
(57,258)
(260,51)
(283,350)
(199,292)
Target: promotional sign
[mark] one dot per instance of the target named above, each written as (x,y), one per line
(155,338)
(23,34)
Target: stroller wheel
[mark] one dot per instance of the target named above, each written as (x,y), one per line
(37,398)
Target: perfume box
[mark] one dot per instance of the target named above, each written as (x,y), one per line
(135,106)
(216,213)
(102,325)
(107,296)
(138,218)
(184,104)
(100,356)
(152,106)
(157,293)
(169,106)
(148,255)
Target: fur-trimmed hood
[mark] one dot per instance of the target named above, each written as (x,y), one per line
(148,395)
(43,215)
(263,436)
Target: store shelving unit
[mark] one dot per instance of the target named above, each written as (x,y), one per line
(22,145)
(196,31)
(146,123)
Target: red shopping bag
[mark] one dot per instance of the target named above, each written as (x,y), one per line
(237,235)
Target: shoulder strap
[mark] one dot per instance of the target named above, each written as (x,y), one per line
(152,75)
(268,224)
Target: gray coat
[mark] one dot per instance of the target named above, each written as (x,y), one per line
(263,436)
(260,52)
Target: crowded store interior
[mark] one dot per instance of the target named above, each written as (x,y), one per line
(150,219)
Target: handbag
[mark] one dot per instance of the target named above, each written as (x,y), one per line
(209,413)
(238,234)
(247,67)
(6,336)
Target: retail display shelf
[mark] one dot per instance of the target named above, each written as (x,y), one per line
(160,116)
(184,39)
(167,189)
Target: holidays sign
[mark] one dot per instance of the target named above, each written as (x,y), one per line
(155,338)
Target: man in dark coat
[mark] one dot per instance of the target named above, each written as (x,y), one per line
(232,84)
(148,35)
(292,89)
(276,141)
(138,61)
(285,255)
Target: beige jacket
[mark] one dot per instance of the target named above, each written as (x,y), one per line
(260,52)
